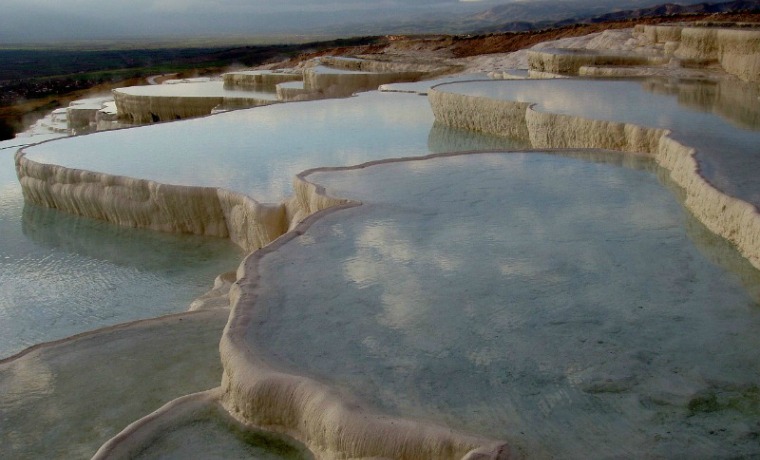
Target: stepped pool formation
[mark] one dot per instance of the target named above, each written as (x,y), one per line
(497,269)
(151,103)
(62,275)
(575,312)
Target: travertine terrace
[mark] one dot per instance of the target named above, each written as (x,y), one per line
(736,50)
(730,217)
(147,104)
(261,393)
(319,78)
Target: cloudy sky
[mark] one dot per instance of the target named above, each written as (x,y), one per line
(41,20)
(30,21)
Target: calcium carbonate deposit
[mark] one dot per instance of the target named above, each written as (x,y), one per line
(458,268)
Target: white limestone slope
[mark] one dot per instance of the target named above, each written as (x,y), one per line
(698,50)
(736,49)
(566,62)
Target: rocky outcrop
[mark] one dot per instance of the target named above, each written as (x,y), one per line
(729,217)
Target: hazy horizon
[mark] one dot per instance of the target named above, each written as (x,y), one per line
(42,21)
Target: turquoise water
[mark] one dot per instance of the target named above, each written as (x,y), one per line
(722,121)
(259,151)
(562,304)
(66,400)
(565,305)
(62,275)
(214,437)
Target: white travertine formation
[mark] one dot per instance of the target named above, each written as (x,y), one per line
(134,437)
(147,204)
(141,109)
(63,399)
(259,79)
(537,75)
(82,118)
(698,45)
(292,91)
(326,83)
(256,393)
(478,113)
(218,296)
(739,53)
(659,34)
(188,420)
(329,424)
(143,203)
(376,66)
(704,73)
(107,118)
(336,76)
(308,199)
(731,218)
(312,412)
(736,49)
(57,121)
(565,61)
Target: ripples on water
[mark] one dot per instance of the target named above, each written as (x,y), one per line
(61,275)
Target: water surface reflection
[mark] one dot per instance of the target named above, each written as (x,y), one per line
(565,314)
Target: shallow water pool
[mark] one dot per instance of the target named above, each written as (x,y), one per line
(258,151)
(65,400)
(566,305)
(720,120)
(62,275)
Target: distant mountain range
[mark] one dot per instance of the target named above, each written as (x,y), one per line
(85,21)
(542,14)
(500,17)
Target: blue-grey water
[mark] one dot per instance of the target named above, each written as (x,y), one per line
(720,120)
(61,275)
(567,306)
(259,151)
